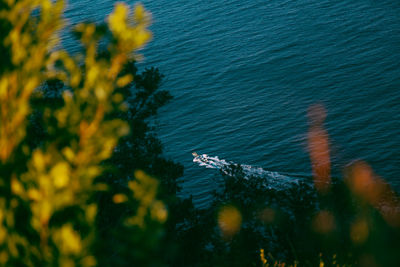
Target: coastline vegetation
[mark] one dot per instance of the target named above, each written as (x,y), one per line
(83,181)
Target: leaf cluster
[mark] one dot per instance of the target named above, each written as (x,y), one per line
(77,154)
(293,225)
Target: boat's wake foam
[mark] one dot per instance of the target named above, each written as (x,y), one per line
(273,179)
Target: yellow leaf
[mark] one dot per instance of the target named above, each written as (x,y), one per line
(124,80)
(31,84)
(45,212)
(16,187)
(60,174)
(3,87)
(117,19)
(33,194)
(159,212)
(68,153)
(71,241)
(119,198)
(139,12)
(92,75)
(3,234)
(91,212)
(142,37)
(38,160)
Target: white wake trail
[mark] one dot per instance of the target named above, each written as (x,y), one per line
(273,179)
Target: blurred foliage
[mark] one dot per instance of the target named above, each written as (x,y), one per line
(77,154)
(83,180)
(318,221)
(299,226)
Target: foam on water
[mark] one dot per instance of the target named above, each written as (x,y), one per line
(274,180)
(243,74)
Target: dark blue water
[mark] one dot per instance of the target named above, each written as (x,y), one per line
(243,74)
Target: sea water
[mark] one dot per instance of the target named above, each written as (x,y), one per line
(243,74)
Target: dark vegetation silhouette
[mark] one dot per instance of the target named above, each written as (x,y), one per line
(78,153)
(130,215)
(352,220)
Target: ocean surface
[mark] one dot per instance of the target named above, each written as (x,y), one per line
(243,74)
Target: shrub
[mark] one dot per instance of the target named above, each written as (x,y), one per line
(54,144)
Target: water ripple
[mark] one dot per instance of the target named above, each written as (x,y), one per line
(244,72)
